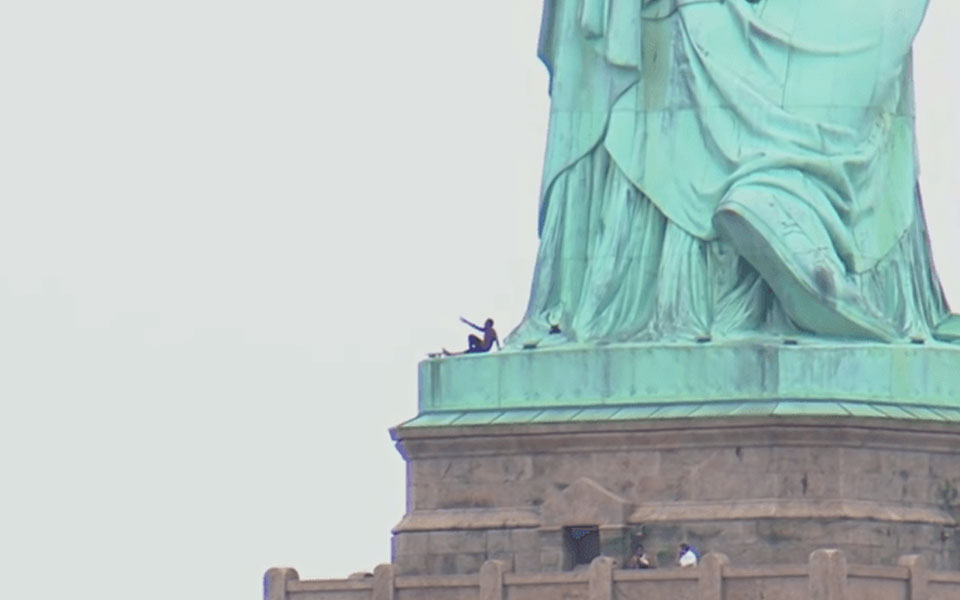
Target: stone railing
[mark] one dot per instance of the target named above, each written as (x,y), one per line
(826,577)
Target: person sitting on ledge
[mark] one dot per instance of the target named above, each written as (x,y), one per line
(688,556)
(640,560)
(475,345)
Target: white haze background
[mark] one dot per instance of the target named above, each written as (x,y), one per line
(228,233)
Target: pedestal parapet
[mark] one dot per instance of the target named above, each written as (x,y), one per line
(655,381)
(826,575)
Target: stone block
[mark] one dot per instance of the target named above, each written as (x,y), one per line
(710,571)
(826,460)
(744,553)
(454,542)
(917,584)
(411,564)
(708,535)
(561,468)
(875,486)
(808,484)
(613,466)
(717,535)
(499,540)
(441,564)
(275,583)
(526,562)
(427,470)
(915,463)
(470,562)
(549,538)
(525,540)
(505,557)
(467,495)
(783,554)
(487,469)
(601,579)
(679,486)
(945,467)
(530,493)
(422,496)
(790,459)
(491,580)
(653,489)
(900,486)
(615,543)
(383,582)
(675,462)
(859,460)
(413,542)
(459,470)
(780,588)
(776,532)
(519,493)
(585,502)
(713,484)
(551,559)
(828,575)
(512,468)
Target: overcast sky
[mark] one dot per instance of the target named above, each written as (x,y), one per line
(228,233)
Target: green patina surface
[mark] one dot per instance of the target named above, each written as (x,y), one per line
(715,168)
(692,381)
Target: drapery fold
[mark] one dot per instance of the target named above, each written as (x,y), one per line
(664,112)
(734,90)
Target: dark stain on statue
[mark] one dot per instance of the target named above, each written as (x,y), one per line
(823,279)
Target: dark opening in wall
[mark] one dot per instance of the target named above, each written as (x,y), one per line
(581,544)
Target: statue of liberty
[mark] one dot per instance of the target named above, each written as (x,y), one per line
(719,169)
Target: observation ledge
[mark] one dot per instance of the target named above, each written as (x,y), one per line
(660,381)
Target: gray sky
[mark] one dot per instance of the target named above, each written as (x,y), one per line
(228,233)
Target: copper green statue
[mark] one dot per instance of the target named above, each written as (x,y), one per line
(719,169)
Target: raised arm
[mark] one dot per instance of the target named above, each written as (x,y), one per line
(477,327)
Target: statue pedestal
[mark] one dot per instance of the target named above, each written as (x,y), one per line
(761,452)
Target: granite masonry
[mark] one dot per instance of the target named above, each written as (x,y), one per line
(762,491)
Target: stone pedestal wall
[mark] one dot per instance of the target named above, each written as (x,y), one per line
(763,491)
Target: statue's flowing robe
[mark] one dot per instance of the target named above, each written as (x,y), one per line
(661,108)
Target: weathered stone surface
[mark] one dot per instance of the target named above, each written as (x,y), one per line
(486,519)
(491,580)
(601,578)
(584,502)
(825,577)
(415,542)
(451,542)
(383,582)
(762,491)
(411,564)
(525,540)
(470,562)
(526,561)
(782,588)
(499,540)
(275,583)
(442,564)
(828,575)
(917,584)
(711,576)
